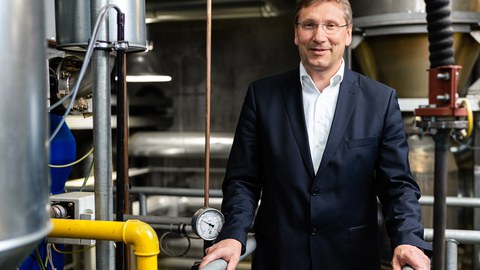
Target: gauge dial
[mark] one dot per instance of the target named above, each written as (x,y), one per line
(207,223)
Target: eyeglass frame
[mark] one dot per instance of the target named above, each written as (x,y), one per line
(324,26)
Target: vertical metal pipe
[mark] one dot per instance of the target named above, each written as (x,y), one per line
(476,188)
(442,144)
(143,204)
(452,254)
(102,139)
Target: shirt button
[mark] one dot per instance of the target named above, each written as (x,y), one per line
(313,231)
(315,191)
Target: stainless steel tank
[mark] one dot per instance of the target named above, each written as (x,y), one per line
(24,189)
(394,49)
(422,164)
(74,27)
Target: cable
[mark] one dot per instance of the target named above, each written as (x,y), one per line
(71,252)
(73,163)
(89,172)
(164,247)
(39,259)
(88,56)
(49,256)
(466,103)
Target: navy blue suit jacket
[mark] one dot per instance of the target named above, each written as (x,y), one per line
(328,220)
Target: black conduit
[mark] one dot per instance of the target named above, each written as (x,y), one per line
(121,257)
(440,33)
(440,37)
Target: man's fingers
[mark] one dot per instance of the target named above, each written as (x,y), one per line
(209,258)
(413,256)
(232,264)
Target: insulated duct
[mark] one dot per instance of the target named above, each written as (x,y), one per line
(24,215)
(174,10)
(179,144)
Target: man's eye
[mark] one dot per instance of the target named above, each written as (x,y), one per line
(309,25)
(331,26)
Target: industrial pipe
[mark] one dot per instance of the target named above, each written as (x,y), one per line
(102,135)
(221,264)
(440,192)
(122,202)
(138,234)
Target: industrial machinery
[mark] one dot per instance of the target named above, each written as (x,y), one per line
(412,31)
(144,174)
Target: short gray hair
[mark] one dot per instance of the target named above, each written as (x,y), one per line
(345,4)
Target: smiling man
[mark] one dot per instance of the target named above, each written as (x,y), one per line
(317,145)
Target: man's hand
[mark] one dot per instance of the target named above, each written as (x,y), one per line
(411,255)
(228,249)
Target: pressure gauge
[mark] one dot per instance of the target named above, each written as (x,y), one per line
(207,223)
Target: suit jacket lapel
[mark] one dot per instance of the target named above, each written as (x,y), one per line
(343,112)
(292,94)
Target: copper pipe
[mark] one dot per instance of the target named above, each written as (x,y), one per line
(207,99)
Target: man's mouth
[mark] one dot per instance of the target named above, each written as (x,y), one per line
(319,50)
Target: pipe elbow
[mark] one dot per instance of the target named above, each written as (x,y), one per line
(141,237)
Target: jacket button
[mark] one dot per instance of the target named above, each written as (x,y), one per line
(315,191)
(313,231)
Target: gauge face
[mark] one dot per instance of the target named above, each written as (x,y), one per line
(207,223)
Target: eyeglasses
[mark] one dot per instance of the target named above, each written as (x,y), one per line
(329,28)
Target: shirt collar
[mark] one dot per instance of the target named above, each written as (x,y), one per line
(334,81)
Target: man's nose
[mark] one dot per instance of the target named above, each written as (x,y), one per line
(320,34)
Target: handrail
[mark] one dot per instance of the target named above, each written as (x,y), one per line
(470,237)
(138,234)
(221,264)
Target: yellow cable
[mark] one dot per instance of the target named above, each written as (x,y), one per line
(71,252)
(39,259)
(73,163)
(466,103)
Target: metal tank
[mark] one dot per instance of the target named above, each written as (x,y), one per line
(74,27)
(24,189)
(393,42)
(422,164)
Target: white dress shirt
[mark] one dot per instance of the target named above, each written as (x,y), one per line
(319,110)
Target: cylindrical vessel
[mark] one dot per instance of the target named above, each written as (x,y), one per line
(363,8)
(74,24)
(394,46)
(24,187)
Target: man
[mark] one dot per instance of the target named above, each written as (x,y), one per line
(318,145)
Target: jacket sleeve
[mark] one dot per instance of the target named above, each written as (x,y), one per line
(242,184)
(397,189)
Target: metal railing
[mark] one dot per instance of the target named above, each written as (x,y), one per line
(454,237)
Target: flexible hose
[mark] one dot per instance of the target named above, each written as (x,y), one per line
(440,33)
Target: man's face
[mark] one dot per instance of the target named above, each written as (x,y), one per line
(321,51)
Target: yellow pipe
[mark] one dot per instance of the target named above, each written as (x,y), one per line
(138,234)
